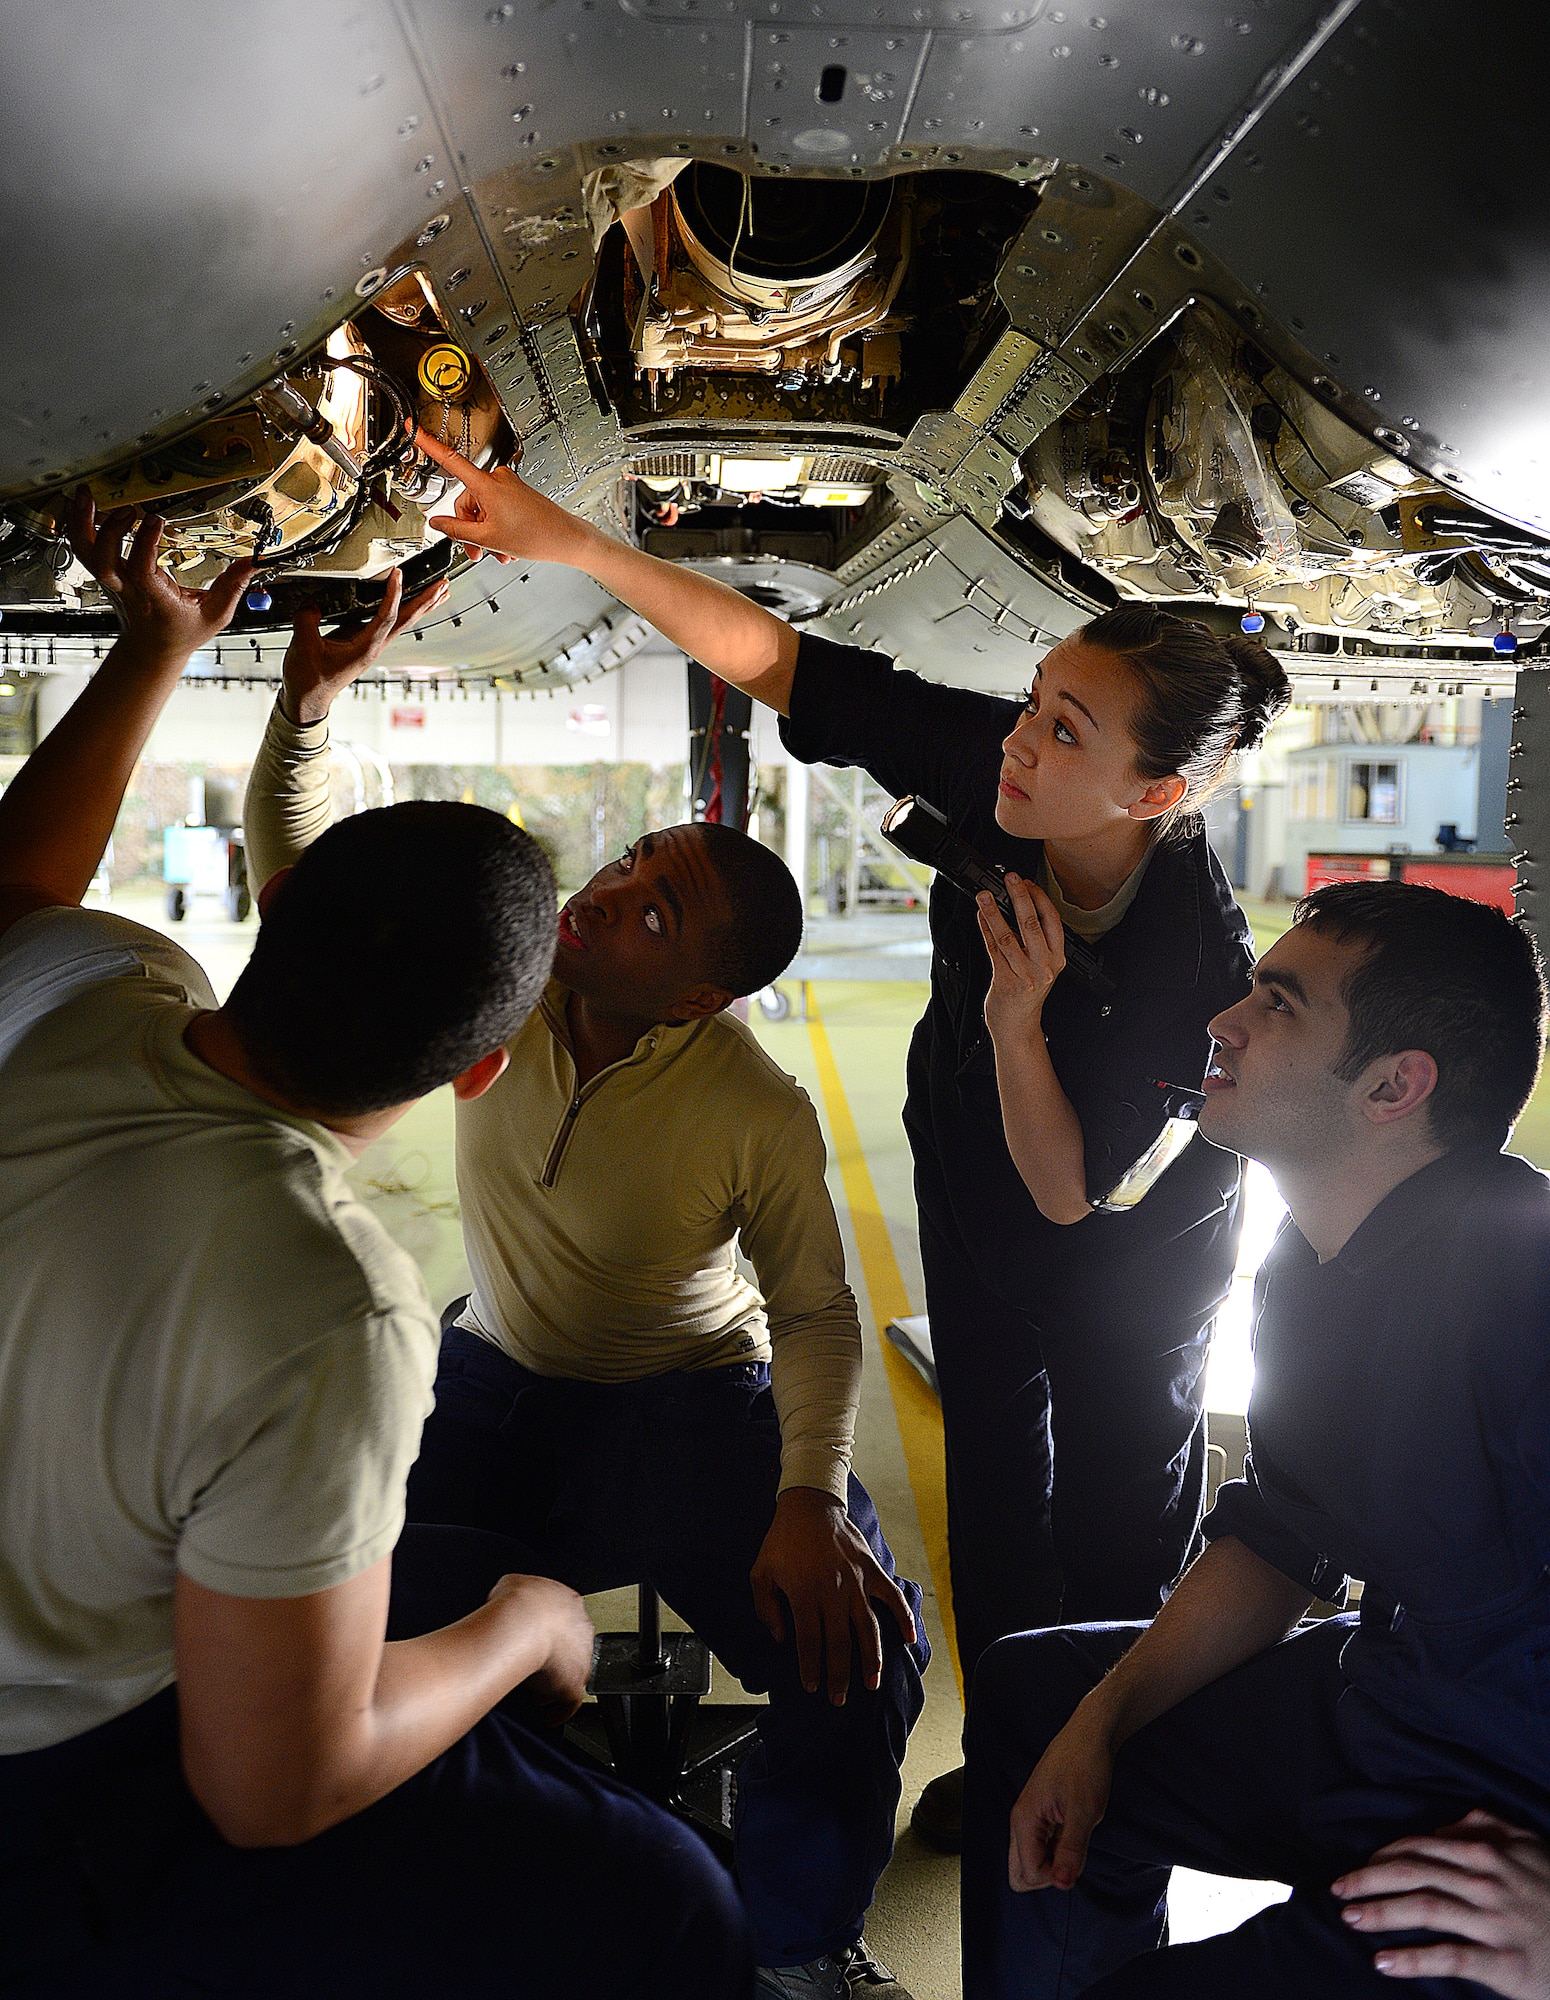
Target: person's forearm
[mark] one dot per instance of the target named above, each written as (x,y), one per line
(714,624)
(432,1690)
(429,1692)
(717,626)
(57,814)
(1229,1607)
(815,1378)
(1043,1132)
(287,804)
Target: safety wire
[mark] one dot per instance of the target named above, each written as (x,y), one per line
(744,218)
(446,421)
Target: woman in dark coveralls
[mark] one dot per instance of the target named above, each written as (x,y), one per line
(1064,1338)
(1070,1344)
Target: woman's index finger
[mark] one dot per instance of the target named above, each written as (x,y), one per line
(448,459)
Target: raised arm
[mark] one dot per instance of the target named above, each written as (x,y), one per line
(287,804)
(739,640)
(57,815)
(1230,1606)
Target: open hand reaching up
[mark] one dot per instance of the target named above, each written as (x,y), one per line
(317,670)
(159,613)
(58,812)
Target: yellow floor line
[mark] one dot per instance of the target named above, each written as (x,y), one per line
(917,1410)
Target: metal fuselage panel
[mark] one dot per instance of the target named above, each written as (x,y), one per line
(193,197)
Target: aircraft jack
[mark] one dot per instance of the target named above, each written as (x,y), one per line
(651,1726)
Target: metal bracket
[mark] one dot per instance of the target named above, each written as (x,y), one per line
(652,1728)
(1527,820)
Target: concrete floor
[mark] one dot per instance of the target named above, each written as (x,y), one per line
(851,1062)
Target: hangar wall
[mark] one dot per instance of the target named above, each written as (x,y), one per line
(639,713)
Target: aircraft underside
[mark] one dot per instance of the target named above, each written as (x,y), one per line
(937,326)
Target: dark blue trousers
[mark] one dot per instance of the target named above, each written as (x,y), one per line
(502,1869)
(672,1481)
(1253,1776)
(1075,1443)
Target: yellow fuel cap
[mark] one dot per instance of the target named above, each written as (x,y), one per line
(445,371)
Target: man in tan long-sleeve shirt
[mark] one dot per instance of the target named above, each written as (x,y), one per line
(617,1395)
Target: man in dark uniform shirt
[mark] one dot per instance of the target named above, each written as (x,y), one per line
(1400,1432)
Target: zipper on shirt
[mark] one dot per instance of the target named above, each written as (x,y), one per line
(562,1137)
(561,1141)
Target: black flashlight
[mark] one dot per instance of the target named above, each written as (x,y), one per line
(917,829)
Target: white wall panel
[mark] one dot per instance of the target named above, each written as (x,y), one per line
(637,714)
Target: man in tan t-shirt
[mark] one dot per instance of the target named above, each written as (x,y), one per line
(214,1367)
(617,1395)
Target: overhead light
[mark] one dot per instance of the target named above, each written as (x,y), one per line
(758,475)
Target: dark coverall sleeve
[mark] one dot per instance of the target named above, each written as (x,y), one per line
(849,706)
(1122,1110)
(1533,1433)
(1241,1510)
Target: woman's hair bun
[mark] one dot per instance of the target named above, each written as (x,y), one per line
(1203,696)
(1262,685)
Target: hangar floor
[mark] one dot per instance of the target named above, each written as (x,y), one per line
(849,1056)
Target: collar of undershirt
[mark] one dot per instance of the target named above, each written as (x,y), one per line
(666,1039)
(1094,924)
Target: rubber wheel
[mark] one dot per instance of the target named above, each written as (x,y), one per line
(774,1003)
(177,905)
(238,902)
